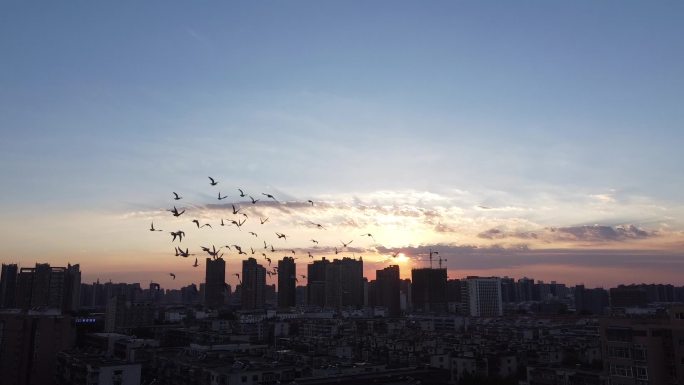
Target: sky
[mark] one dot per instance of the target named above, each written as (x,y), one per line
(530,138)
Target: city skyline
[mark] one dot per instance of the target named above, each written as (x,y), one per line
(539,140)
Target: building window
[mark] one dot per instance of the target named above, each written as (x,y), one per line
(621,370)
(618,352)
(639,353)
(641,372)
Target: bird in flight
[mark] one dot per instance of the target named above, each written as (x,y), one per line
(235,211)
(252,249)
(152,227)
(196,264)
(175,212)
(221,197)
(182,253)
(242,194)
(195,221)
(177,197)
(253,233)
(310,201)
(318,225)
(283,236)
(310,256)
(346,244)
(173,275)
(314,241)
(238,277)
(269,261)
(180,234)
(254,201)
(222,224)
(269,196)
(272,249)
(213,182)
(263,220)
(368,235)
(336,251)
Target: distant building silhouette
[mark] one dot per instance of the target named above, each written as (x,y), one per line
(387,285)
(123,314)
(253,285)
(429,290)
(214,282)
(49,287)
(484,296)
(8,286)
(287,274)
(315,288)
(344,283)
(628,296)
(590,301)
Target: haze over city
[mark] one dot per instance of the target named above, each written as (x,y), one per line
(522,139)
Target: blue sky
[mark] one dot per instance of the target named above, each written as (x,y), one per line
(546,107)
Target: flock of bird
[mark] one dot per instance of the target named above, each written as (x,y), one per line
(240,217)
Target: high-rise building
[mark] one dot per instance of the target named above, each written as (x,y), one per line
(387,284)
(253,284)
(122,314)
(644,350)
(429,290)
(287,275)
(590,301)
(8,286)
(49,287)
(344,283)
(484,296)
(29,343)
(315,288)
(214,282)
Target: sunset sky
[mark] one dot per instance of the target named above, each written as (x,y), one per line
(531,138)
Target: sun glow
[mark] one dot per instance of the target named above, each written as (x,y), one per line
(401,258)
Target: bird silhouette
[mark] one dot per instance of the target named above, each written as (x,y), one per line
(310,201)
(314,241)
(346,244)
(173,275)
(213,182)
(175,212)
(253,233)
(269,261)
(177,197)
(221,197)
(263,220)
(182,253)
(368,235)
(318,225)
(269,196)
(235,211)
(336,251)
(281,236)
(179,234)
(303,276)
(310,256)
(242,195)
(152,227)
(196,264)
(222,224)
(238,277)
(252,249)
(254,201)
